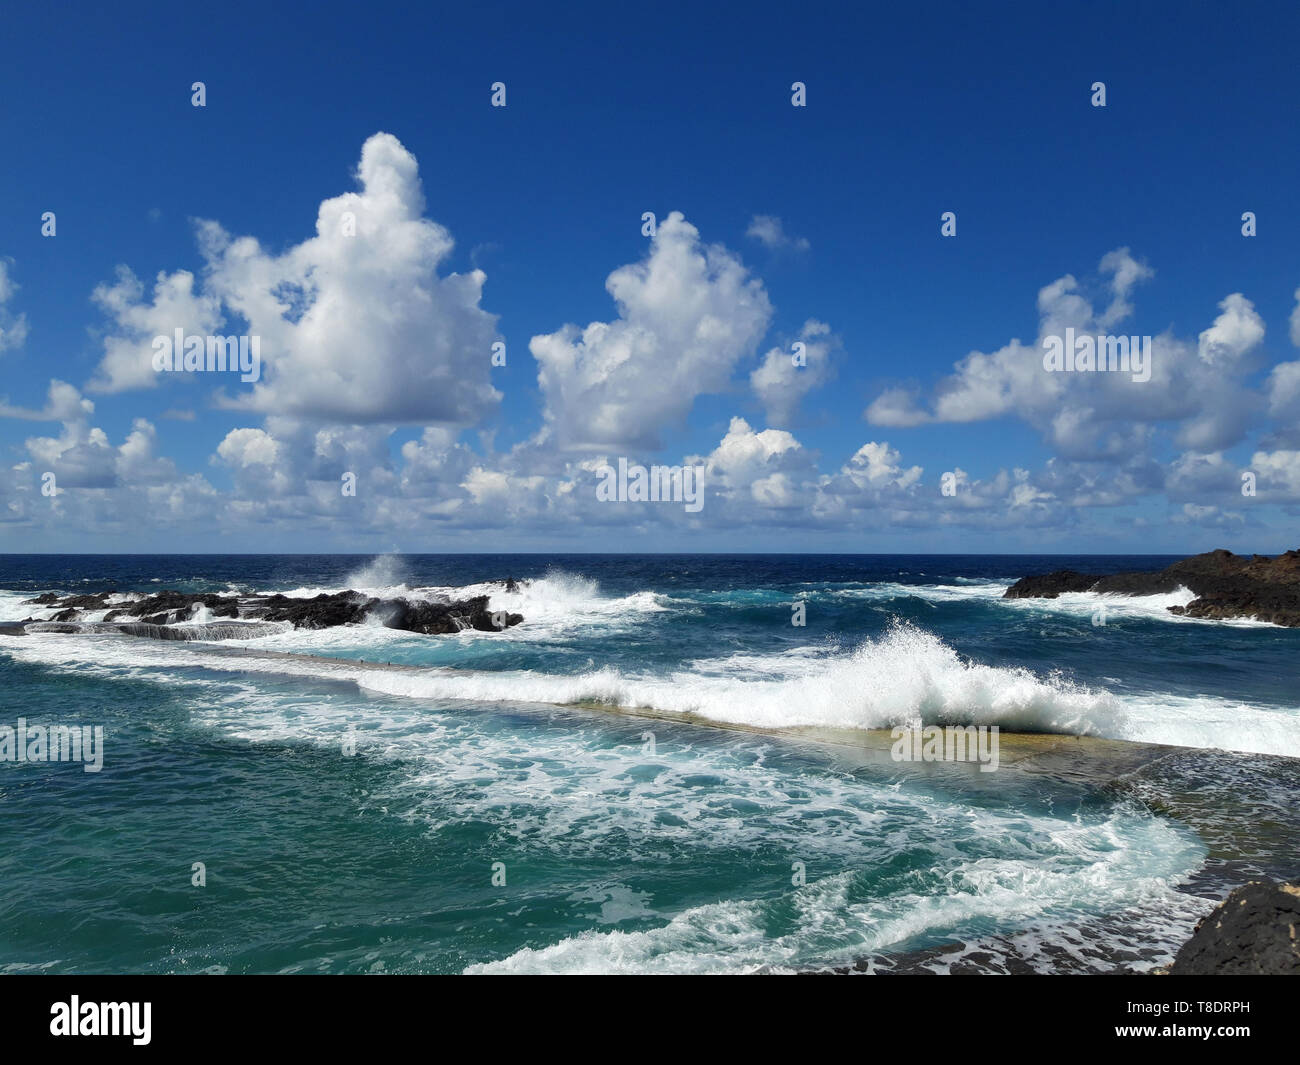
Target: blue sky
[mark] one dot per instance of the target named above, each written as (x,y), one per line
(819,223)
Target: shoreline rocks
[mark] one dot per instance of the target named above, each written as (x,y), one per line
(1226,586)
(1255,931)
(160,616)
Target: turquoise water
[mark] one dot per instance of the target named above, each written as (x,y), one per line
(362,819)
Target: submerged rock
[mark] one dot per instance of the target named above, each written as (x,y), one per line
(228,630)
(1254,931)
(1225,585)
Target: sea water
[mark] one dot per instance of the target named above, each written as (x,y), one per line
(360,799)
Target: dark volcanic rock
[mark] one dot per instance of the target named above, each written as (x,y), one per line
(1225,585)
(154,615)
(441,618)
(87,602)
(320,612)
(178,605)
(91,602)
(1161,583)
(1255,931)
(1050,585)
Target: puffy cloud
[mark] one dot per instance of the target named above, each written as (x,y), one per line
(254,458)
(877,464)
(13,330)
(1209,517)
(1284,392)
(1125,273)
(1198,476)
(769,231)
(63,404)
(1279,475)
(128,352)
(355,323)
(687,314)
(137,458)
(780,384)
(1236,331)
(750,472)
(243,448)
(81,456)
(1283,389)
(435,460)
(363,331)
(897,408)
(743,452)
(1100,415)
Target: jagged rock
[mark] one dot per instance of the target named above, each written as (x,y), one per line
(320,612)
(1254,931)
(180,604)
(1050,585)
(1139,583)
(53,599)
(157,616)
(441,618)
(87,602)
(1225,585)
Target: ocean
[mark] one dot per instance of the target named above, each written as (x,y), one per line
(659,770)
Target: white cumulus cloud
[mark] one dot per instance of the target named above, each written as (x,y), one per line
(687,313)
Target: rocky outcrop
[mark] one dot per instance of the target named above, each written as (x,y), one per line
(1255,931)
(159,616)
(438,618)
(1051,585)
(320,612)
(1225,585)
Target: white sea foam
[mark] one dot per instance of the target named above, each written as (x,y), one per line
(555,605)
(1153,607)
(1126,861)
(567,790)
(904,677)
(1082,605)
(984,864)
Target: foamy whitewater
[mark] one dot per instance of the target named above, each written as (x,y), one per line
(375,800)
